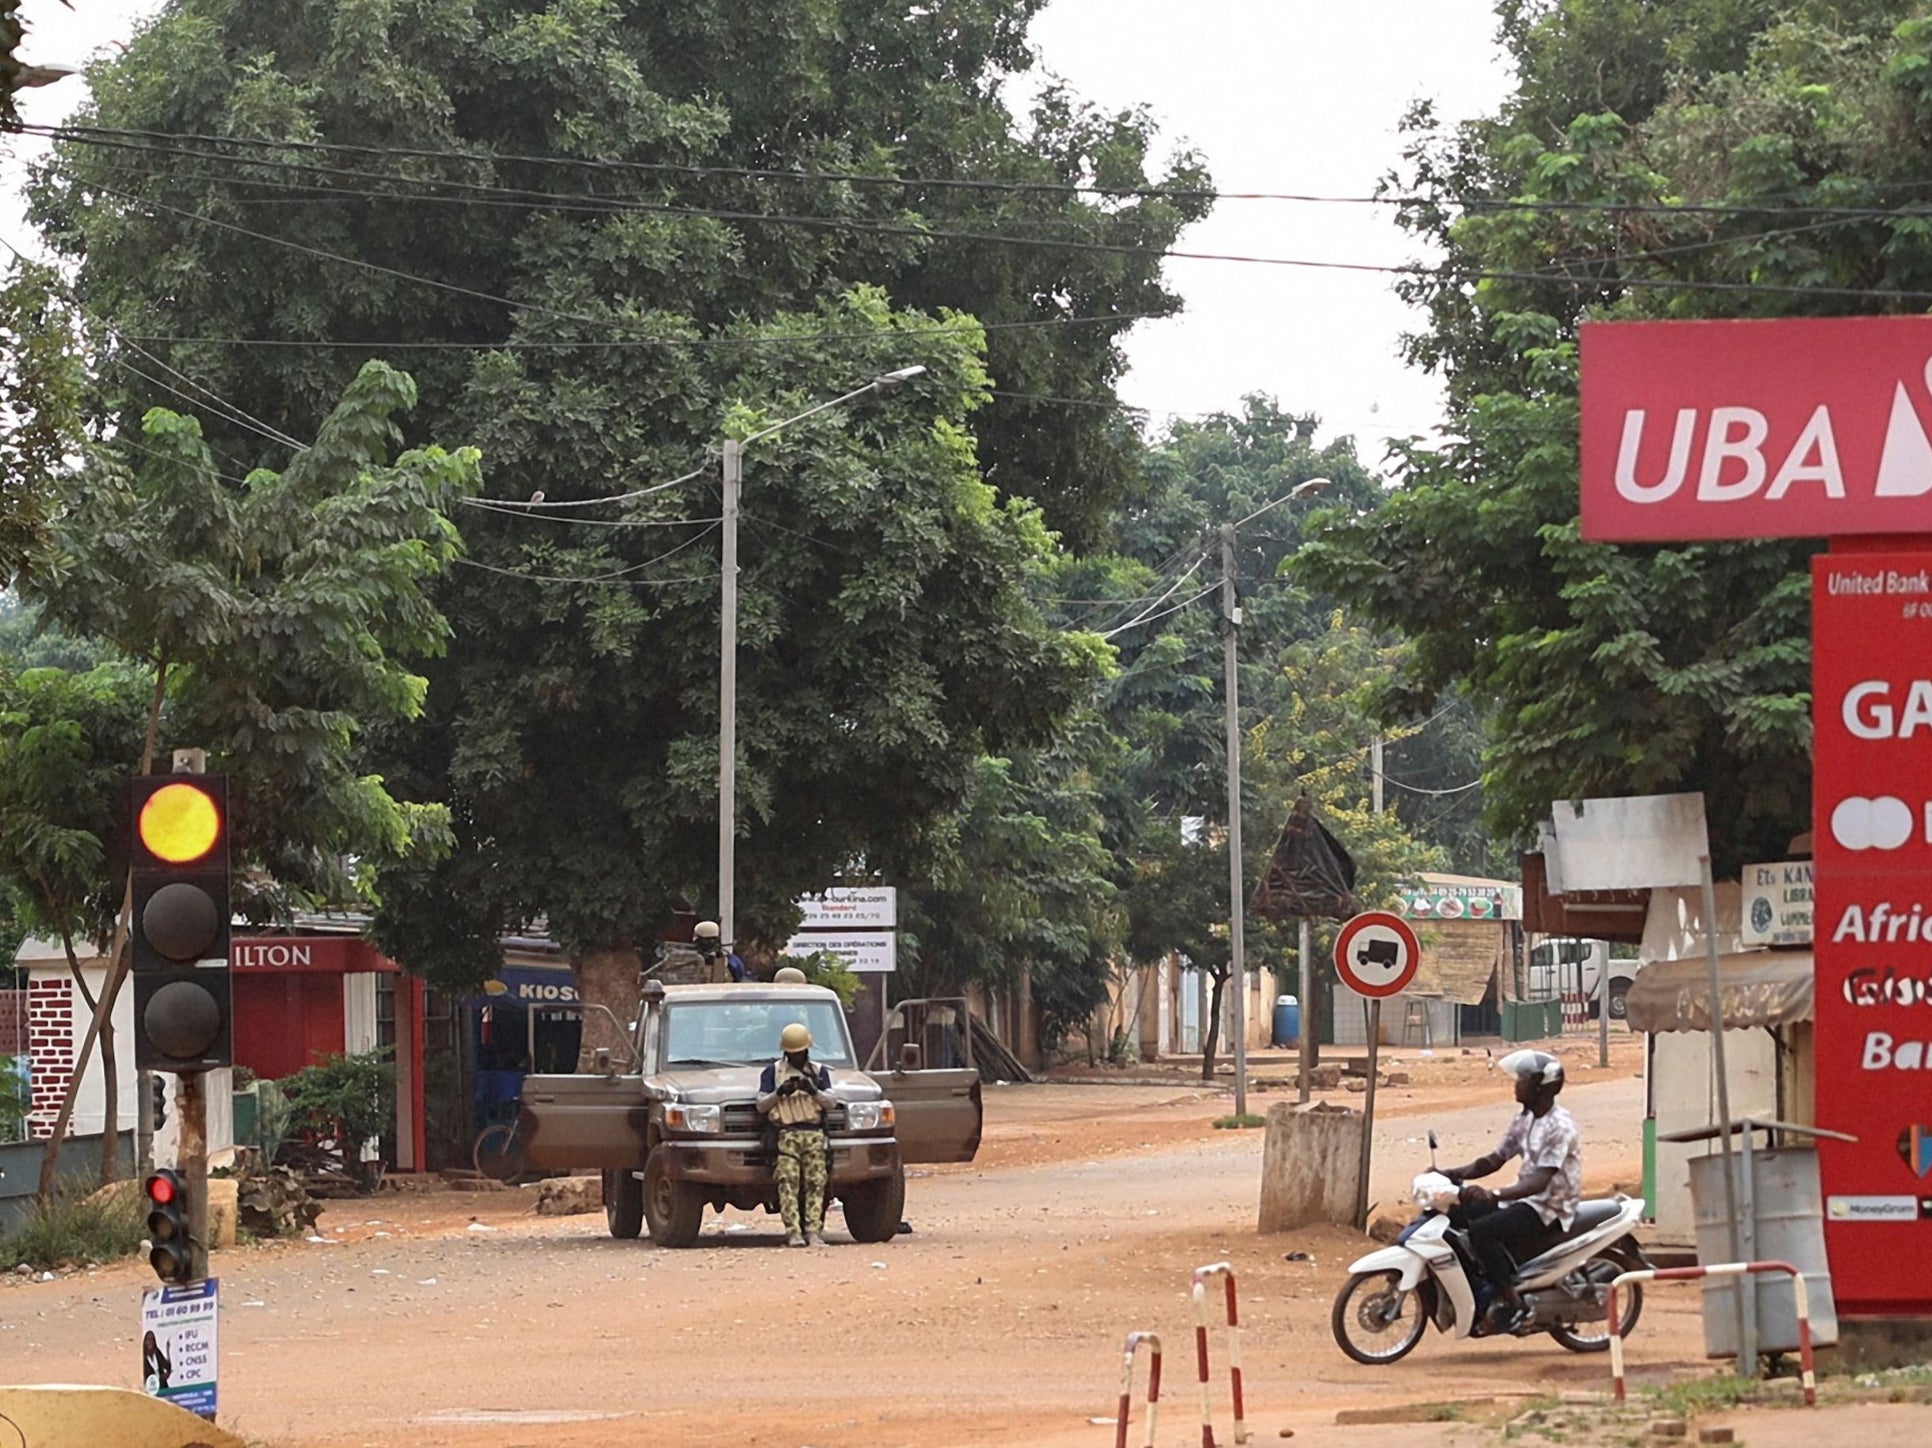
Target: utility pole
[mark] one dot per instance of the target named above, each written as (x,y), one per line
(1237,903)
(734,478)
(1304,952)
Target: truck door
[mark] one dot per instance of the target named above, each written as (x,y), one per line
(939,1112)
(582,1121)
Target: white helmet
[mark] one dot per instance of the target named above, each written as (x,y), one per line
(1540,1066)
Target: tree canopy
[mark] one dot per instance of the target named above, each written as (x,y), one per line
(1655,161)
(602,236)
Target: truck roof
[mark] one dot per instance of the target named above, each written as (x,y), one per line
(746,991)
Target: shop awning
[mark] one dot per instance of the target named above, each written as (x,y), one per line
(1756,988)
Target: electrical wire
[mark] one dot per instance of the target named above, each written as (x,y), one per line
(1150,617)
(536,505)
(109,136)
(616,575)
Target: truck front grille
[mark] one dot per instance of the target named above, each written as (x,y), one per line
(742,1119)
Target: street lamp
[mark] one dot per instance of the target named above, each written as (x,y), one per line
(1237,895)
(734,471)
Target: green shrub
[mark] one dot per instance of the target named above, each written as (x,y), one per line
(15,1099)
(78,1226)
(358,1093)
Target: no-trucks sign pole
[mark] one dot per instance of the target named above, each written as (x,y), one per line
(1376,955)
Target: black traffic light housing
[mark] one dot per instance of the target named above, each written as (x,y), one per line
(183,998)
(170,1253)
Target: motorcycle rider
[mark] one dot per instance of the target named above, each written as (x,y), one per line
(1512,1224)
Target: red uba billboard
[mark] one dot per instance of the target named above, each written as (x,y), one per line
(1872,803)
(1802,427)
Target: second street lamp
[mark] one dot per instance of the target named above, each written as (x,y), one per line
(734,473)
(1237,893)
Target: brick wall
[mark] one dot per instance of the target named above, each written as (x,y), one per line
(13,1023)
(50,1041)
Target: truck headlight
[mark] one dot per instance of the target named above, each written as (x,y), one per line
(869,1115)
(705,1120)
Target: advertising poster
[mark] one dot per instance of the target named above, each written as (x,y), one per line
(178,1345)
(1872,922)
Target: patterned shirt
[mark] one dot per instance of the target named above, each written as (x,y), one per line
(1548,1140)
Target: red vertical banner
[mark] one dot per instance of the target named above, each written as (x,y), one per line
(1872,811)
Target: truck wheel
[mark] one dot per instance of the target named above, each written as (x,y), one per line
(1619,1007)
(873,1209)
(673,1210)
(623,1204)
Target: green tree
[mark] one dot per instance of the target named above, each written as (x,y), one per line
(1654,162)
(40,403)
(270,620)
(65,745)
(602,236)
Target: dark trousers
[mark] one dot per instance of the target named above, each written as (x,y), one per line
(1503,1235)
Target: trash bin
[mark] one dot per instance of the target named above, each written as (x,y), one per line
(1781,1219)
(1287,1025)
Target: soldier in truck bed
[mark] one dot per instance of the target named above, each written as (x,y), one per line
(793,1095)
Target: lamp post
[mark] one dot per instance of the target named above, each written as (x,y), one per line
(1237,895)
(734,473)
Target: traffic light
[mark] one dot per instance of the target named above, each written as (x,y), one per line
(170,1253)
(158,1093)
(183,1000)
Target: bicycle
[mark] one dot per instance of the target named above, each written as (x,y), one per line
(496,1152)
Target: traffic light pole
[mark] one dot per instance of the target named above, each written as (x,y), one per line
(192,1102)
(144,1122)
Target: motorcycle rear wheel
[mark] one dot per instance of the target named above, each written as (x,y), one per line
(1595,1336)
(1388,1319)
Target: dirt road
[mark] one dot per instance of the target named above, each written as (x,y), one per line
(445,1319)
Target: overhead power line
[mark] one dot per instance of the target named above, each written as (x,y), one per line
(175,140)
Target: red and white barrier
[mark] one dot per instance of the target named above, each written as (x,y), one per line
(1721,1269)
(1203,1276)
(1134,1340)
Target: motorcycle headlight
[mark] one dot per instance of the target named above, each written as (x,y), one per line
(1434,1192)
(870,1115)
(703,1120)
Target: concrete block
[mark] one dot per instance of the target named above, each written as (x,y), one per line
(569,1196)
(1309,1158)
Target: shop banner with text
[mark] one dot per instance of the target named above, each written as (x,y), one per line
(1872,922)
(1794,428)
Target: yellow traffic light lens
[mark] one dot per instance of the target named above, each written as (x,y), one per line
(179,824)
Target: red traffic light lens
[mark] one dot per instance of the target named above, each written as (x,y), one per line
(179,823)
(161,1190)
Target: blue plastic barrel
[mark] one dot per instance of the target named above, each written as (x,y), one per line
(1287,1026)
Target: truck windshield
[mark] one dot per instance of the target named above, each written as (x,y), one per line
(746,1032)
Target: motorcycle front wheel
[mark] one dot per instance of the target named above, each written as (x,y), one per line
(1375,1321)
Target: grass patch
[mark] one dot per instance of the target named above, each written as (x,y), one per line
(77,1226)
(1247,1122)
(1725,1390)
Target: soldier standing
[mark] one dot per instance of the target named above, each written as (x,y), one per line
(793,1095)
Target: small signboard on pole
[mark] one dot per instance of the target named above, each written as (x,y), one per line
(1376,955)
(178,1345)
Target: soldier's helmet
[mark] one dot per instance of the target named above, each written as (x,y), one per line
(789,975)
(795,1038)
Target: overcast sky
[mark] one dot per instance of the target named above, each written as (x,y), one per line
(1278,95)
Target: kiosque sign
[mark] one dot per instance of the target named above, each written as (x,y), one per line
(1794,428)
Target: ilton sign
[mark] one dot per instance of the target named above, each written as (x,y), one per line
(1806,427)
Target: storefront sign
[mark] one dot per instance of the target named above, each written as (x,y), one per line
(286,954)
(1435,900)
(873,907)
(1777,903)
(1872,802)
(1800,427)
(863,951)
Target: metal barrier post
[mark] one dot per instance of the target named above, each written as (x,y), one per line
(1134,1340)
(1800,1295)
(1202,1276)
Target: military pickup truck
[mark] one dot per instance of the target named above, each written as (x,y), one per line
(675,1128)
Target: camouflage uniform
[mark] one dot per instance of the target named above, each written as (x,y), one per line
(801,1164)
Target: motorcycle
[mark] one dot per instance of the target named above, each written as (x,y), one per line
(1392,1295)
